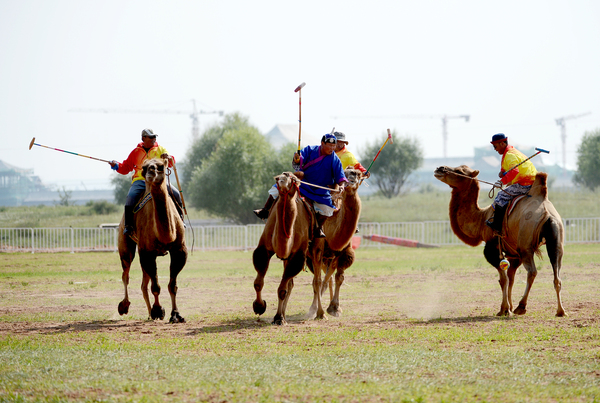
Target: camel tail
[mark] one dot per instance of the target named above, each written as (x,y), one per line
(536,241)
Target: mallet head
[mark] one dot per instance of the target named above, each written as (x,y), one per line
(542,150)
(31,144)
(298,88)
(390,136)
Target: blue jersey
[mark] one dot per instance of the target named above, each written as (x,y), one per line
(320,170)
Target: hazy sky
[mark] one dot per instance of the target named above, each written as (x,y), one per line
(513,66)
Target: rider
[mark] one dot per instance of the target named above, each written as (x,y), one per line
(519,179)
(348,159)
(145,150)
(322,167)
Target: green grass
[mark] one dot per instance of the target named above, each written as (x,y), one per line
(418,325)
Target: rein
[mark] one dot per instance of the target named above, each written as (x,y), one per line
(491,193)
(284,194)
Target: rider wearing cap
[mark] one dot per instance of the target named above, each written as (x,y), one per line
(348,159)
(146,150)
(517,178)
(321,167)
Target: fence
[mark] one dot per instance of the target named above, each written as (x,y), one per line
(246,237)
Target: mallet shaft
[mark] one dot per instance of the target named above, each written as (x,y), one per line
(539,150)
(64,151)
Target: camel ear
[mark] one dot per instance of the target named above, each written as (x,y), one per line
(144,170)
(276,178)
(299,175)
(474,173)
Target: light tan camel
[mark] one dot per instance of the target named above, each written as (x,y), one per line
(338,254)
(533,222)
(159,230)
(287,235)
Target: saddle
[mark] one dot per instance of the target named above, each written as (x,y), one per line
(513,203)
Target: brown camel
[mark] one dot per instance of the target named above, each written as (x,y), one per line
(159,229)
(287,235)
(338,254)
(533,222)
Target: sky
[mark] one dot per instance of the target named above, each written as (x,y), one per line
(513,67)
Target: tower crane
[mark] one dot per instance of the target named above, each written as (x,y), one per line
(194,114)
(443,117)
(563,136)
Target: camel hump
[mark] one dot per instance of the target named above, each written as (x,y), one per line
(540,185)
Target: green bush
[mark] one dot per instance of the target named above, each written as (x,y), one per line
(101,207)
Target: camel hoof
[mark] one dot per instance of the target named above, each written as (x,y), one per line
(521,310)
(561,314)
(334,311)
(279,320)
(157,312)
(124,307)
(176,318)
(504,313)
(259,308)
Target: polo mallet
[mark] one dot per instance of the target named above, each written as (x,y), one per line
(539,150)
(63,151)
(180,190)
(299,91)
(389,137)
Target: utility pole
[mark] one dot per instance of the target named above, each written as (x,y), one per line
(443,117)
(445,129)
(563,136)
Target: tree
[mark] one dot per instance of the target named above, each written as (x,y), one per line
(588,161)
(121,184)
(235,178)
(395,163)
(65,197)
(203,147)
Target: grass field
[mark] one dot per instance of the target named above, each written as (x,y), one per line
(418,325)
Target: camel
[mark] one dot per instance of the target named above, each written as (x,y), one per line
(159,229)
(533,222)
(287,235)
(338,254)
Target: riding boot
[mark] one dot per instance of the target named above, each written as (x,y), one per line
(319,227)
(129,222)
(263,213)
(495,222)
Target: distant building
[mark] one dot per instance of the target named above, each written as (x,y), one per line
(20,187)
(16,184)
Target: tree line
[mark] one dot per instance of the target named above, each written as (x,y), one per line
(229,169)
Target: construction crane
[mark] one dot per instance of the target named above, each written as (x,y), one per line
(194,114)
(563,136)
(443,117)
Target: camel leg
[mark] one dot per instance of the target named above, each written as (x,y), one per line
(148,262)
(492,255)
(553,235)
(512,270)
(529,264)
(145,282)
(317,250)
(291,267)
(127,254)
(342,262)
(178,260)
(260,258)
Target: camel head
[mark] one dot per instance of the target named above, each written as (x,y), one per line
(287,182)
(460,177)
(354,177)
(154,171)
